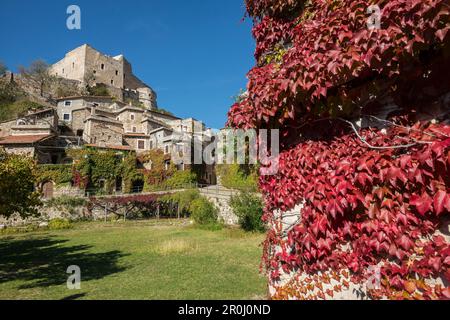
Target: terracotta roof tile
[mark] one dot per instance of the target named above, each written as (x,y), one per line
(25,139)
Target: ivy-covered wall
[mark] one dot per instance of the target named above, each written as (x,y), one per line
(362,191)
(100,169)
(59,174)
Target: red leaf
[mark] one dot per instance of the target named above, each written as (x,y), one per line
(435,263)
(363,177)
(423,204)
(446,293)
(388,203)
(374,211)
(440,201)
(334,207)
(405,242)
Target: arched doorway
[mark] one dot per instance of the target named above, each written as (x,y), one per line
(47,190)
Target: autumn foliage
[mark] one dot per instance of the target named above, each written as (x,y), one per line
(371,195)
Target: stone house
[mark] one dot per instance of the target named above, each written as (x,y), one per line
(35,134)
(106,123)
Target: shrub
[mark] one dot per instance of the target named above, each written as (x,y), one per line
(249,209)
(14,109)
(180,179)
(59,224)
(234,176)
(100,90)
(183,199)
(203,212)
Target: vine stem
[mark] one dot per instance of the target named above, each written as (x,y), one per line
(363,140)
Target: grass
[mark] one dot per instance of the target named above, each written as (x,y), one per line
(132,260)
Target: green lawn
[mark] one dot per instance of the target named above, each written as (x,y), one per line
(132,260)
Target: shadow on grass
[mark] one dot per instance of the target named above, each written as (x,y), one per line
(74,297)
(44,261)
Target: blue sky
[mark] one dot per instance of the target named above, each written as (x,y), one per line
(194,53)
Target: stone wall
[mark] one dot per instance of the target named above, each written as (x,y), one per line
(107,70)
(220,197)
(133,142)
(26,150)
(6,128)
(103,133)
(78,119)
(72,66)
(132,117)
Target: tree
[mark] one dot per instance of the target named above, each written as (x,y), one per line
(39,72)
(89,81)
(3,69)
(17,182)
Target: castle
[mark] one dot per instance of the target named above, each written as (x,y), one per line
(102,122)
(85,64)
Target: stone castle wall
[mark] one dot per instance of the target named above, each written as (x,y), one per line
(72,66)
(114,72)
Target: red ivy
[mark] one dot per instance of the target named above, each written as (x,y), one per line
(361,206)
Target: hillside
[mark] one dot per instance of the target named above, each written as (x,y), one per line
(22,92)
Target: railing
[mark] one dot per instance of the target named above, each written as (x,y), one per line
(138,190)
(205,189)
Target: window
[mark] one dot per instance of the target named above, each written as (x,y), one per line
(79,133)
(95,71)
(141,144)
(132,116)
(117,73)
(73,65)
(67,103)
(167,165)
(112,81)
(166,149)
(102,67)
(66,116)
(134,130)
(63,71)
